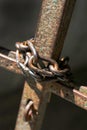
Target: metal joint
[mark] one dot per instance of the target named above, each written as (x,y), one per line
(30,64)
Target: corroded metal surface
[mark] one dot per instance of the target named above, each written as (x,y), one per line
(35,91)
(80,99)
(32,90)
(52,27)
(40,93)
(28,93)
(9,63)
(53,23)
(78,95)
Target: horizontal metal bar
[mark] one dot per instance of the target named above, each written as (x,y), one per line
(36,92)
(78,95)
(8,60)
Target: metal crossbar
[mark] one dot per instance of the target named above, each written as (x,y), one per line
(50,35)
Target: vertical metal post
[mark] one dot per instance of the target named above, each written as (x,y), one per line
(53,23)
(52,27)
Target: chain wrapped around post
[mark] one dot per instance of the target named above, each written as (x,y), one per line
(32,64)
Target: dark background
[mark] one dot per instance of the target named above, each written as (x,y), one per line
(18,23)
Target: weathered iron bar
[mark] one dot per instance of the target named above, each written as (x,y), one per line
(8,62)
(78,95)
(53,23)
(52,26)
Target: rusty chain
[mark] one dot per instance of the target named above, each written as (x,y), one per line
(32,64)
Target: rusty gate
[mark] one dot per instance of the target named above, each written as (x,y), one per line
(51,31)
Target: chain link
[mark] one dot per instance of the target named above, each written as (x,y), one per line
(31,63)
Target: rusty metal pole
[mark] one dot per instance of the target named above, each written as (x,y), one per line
(50,35)
(52,26)
(53,23)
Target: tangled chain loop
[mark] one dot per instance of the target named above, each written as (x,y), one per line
(32,64)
